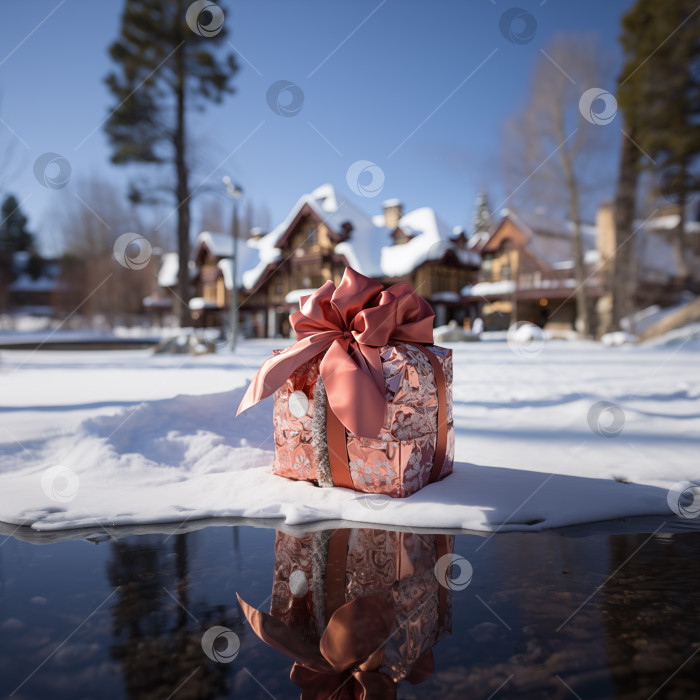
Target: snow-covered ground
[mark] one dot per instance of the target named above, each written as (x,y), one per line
(125,437)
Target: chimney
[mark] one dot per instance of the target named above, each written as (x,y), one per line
(605,230)
(393,211)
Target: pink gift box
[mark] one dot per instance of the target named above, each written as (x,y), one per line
(400,460)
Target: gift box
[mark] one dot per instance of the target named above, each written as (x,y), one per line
(363,400)
(359,610)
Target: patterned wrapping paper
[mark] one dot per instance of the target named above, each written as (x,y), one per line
(398,462)
(377,560)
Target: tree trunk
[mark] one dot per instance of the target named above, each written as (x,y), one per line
(678,240)
(583,325)
(624,266)
(182,192)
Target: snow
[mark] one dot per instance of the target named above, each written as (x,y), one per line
(167,274)
(92,439)
(294,296)
(485,288)
(220,245)
(445,296)
(431,239)
(646,318)
(618,338)
(197,303)
(679,337)
(25,283)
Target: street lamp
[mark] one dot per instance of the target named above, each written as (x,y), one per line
(234,191)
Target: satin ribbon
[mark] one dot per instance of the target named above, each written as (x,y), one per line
(349,324)
(344,665)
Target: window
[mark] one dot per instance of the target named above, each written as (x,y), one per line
(312,238)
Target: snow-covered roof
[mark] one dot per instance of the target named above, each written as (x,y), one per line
(247,256)
(294,296)
(668,222)
(219,244)
(369,248)
(198,303)
(485,288)
(551,238)
(24,283)
(167,274)
(430,239)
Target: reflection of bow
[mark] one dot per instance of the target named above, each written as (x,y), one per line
(344,665)
(350,323)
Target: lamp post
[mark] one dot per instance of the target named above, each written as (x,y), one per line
(234,191)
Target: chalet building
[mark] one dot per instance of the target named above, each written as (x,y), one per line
(322,234)
(33,294)
(528,272)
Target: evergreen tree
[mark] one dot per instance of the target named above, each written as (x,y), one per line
(659,93)
(482,213)
(14,236)
(167,65)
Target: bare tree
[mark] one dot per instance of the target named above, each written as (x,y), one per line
(554,151)
(98,276)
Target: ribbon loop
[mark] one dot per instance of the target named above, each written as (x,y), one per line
(348,323)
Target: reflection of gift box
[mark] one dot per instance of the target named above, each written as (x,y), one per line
(358,606)
(363,400)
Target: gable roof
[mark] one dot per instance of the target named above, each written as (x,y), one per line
(551,240)
(369,248)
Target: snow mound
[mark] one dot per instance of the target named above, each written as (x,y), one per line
(547,435)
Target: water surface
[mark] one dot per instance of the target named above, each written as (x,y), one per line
(580,613)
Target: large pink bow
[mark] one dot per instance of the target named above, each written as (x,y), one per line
(349,324)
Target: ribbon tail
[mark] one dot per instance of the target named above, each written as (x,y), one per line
(358,630)
(275,371)
(282,638)
(353,393)
(376,685)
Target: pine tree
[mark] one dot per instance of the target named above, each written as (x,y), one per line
(14,236)
(659,93)
(481,219)
(167,65)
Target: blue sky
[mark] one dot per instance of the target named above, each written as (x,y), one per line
(396,91)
